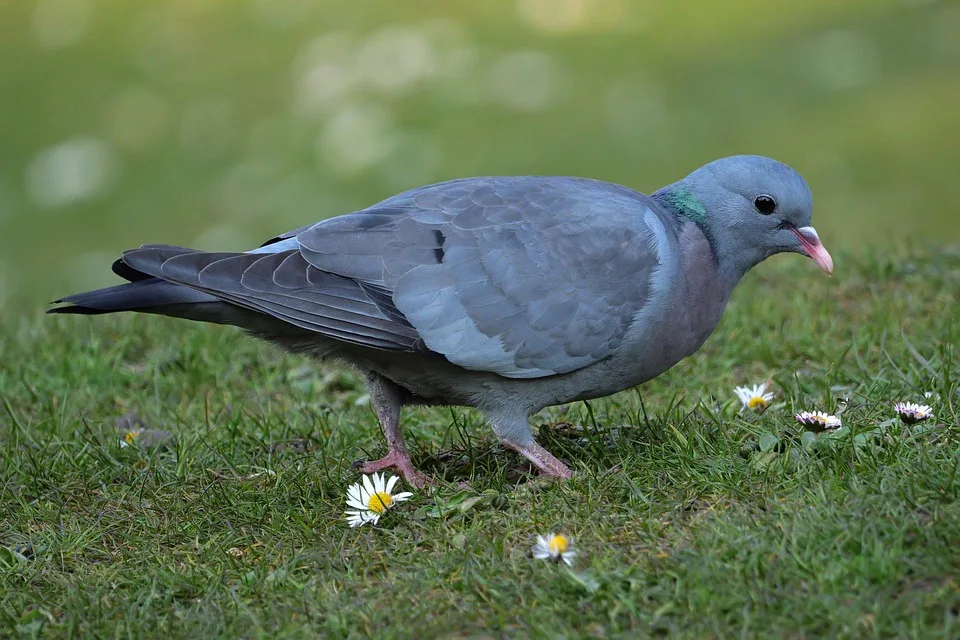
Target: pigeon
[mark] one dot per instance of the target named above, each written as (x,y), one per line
(506,294)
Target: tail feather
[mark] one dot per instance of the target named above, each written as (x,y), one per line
(140,295)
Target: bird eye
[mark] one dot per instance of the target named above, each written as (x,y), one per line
(765,204)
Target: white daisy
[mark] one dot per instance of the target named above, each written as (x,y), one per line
(818,420)
(911,412)
(129,438)
(372,499)
(556,547)
(756,397)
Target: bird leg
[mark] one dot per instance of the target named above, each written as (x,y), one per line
(514,433)
(386,398)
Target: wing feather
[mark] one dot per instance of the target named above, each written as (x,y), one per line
(326,303)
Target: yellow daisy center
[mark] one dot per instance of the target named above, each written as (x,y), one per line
(379,502)
(131,436)
(757,402)
(558,544)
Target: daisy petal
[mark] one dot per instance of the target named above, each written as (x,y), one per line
(355,518)
(369,488)
(353,493)
(391,482)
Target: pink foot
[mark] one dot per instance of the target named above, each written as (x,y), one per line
(397,461)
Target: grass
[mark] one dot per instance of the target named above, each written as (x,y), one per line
(684,525)
(691,518)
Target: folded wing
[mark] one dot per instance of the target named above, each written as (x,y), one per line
(523,277)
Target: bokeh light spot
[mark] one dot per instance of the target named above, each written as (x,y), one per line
(554,16)
(323,74)
(60,23)
(74,170)
(393,59)
(355,138)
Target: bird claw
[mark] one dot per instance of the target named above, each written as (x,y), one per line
(398,462)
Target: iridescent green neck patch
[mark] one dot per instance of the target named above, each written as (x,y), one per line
(685,202)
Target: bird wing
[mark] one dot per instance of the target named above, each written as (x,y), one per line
(524,277)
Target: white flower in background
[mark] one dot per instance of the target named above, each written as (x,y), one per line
(756,397)
(911,412)
(818,420)
(372,499)
(556,547)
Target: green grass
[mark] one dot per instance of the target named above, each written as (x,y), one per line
(684,528)
(685,525)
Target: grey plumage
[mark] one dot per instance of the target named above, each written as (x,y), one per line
(504,293)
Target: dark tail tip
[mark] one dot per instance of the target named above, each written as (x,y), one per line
(86,311)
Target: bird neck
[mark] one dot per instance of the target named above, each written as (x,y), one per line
(731,266)
(679,200)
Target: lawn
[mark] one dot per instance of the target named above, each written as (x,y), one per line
(218,124)
(691,518)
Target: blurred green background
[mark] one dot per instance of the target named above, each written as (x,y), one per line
(218,123)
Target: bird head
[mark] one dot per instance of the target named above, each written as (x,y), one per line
(751,208)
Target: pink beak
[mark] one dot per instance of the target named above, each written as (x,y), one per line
(811,244)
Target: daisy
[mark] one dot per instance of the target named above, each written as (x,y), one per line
(129,438)
(372,499)
(911,412)
(755,397)
(818,420)
(556,547)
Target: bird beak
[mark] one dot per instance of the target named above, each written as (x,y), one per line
(811,244)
